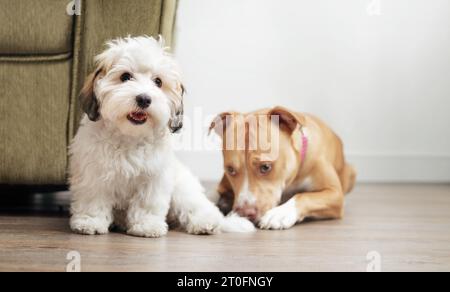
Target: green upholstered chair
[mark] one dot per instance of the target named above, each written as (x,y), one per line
(45,54)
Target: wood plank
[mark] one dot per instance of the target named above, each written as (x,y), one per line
(409,225)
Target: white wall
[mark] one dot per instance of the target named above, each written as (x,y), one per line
(378,71)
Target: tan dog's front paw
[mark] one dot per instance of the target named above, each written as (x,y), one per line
(279,218)
(149,229)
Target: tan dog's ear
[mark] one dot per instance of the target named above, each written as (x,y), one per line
(287,118)
(220,123)
(89,102)
(176,122)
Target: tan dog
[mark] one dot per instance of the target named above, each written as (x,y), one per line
(304,163)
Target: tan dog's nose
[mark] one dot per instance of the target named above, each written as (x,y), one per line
(249,212)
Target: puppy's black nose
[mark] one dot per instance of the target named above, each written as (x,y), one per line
(143,101)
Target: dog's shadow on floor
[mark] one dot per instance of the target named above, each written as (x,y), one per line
(34,200)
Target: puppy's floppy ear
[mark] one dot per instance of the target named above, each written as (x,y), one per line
(287,119)
(176,122)
(220,123)
(88,100)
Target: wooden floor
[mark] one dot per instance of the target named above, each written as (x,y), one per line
(408,225)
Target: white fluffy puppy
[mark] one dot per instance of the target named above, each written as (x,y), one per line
(122,160)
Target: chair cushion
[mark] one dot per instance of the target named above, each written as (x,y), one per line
(34,103)
(30,27)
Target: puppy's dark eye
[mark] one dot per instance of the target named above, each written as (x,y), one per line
(158,82)
(265,168)
(125,77)
(231,171)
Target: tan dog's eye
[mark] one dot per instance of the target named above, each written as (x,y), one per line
(158,82)
(231,171)
(265,168)
(125,77)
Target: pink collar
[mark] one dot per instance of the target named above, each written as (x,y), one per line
(305,143)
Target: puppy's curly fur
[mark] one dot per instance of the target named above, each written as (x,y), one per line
(122,160)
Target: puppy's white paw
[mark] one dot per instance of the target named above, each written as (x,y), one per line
(150,228)
(282,217)
(203,223)
(233,223)
(88,225)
